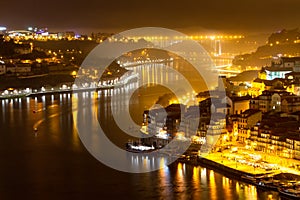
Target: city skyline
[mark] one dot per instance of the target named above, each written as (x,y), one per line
(204,16)
(149,99)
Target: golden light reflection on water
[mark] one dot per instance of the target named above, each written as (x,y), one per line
(203,176)
(245,191)
(95,95)
(237,187)
(153,77)
(270,197)
(180,182)
(212,185)
(225,182)
(162,163)
(225,186)
(146,162)
(196,183)
(164,181)
(179,171)
(250,192)
(75,137)
(196,178)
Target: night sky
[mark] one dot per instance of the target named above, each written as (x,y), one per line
(187,16)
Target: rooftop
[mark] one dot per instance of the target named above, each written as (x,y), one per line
(279,69)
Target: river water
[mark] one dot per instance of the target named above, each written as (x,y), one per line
(52,163)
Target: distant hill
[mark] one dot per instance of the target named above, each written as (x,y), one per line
(284,42)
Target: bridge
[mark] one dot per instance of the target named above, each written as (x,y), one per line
(215,41)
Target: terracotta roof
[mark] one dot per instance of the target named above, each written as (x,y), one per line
(290,59)
(279,69)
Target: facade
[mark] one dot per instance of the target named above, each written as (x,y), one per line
(290,104)
(269,101)
(10,68)
(274,72)
(282,66)
(260,85)
(190,124)
(23,68)
(276,135)
(2,68)
(23,48)
(216,134)
(293,62)
(278,101)
(239,104)
(215,105)
(243,123)
(165,120)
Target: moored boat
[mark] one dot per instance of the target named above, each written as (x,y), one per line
(267,185)
(138,148)
(289,193)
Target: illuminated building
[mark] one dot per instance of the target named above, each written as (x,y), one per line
(216,136)
(10,68)
(21,48)
(167,119)
(239,104)
(281,66)
(214,105)
(274,72)
(260,85)
(191,121)
(2,29)
(241,84)
(276,135)
(2,68)
(268,101)
(20,34)
(290,104)
(244,122)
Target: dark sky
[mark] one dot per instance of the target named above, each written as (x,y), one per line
(184,15)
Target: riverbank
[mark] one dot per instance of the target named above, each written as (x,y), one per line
(66,89)
(285,183)
(35,82)
(230,168)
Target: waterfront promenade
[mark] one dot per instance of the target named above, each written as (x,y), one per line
(229,161)
(239,163)
(14,93)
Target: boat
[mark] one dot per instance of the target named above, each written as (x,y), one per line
(289,193)
(267,185)
(138,148)
(249,179)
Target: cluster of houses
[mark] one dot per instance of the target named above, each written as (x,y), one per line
(10,68)
(20,67)
(28,61)
(265,118)
(43,34)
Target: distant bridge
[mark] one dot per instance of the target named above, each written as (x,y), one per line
(215,40)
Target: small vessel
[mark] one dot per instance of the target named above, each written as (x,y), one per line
(267,185)
(289,193)
(137,147)
(249,179)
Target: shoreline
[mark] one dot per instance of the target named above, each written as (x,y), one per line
(127,80)
(238,173)
(286,188)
